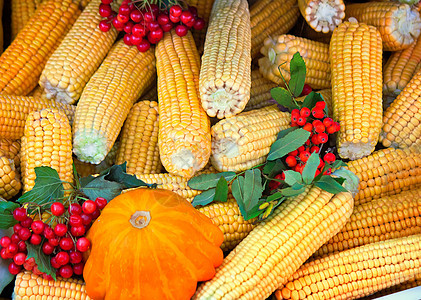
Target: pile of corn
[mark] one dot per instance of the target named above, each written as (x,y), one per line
(70,93)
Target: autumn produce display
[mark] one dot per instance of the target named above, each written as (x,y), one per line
(209,149)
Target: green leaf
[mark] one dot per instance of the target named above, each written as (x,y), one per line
(42,260)
(311,99)
(275,196)
(351,180)
(310,167)
(204,198)
(48,186)
(293,191)
(6,214)
(221,193)
(297,68)
(100,187)
(292,177)
(288,143)
(283,97)
(337,164)
(329,184)
(274,167)
(247,191)
(205,181)
(284,132)
(117,173)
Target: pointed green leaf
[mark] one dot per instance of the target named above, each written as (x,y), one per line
(205,181)
(311,100)
(253,190)
(291,191)
(117,173)
(221,193)
(204,198)
(337,164)
(284,132)
(273,167)
(310,168)
(283,97)
(100,187)
(352,181)
(42,260)
(297,68)
(237,190)
(288,143)
(6,214)
(329,184)
(292,177)
(275,196)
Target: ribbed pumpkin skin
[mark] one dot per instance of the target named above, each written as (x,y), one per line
(164,260)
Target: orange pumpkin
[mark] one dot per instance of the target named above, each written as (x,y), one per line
(150,244)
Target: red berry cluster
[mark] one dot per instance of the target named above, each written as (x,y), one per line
(146,26)
(64,243)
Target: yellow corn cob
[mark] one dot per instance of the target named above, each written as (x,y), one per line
(356,64)
(107,99)
(271,18)
(278,246)
(378,220)
(400,67)
(414,282)
(184,128)
(1,28)
(139,139)
(227,216)
(11,149)
(244,141)
(386,172)
(401,120)
(9,178)
(327,96)
(399,24)
(39,92)
(15,109)
(322,15)
(22,62)
(63,78)
(21,12)
(225,78)
(278,52)
(260,91)
(203,10)
(356,272)
(31,286)
(47,141)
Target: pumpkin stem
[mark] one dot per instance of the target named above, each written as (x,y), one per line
(140,219)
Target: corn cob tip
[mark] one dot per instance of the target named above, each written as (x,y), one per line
(222,104)
(324,16)
(406,24)
(90,146)
(354,150)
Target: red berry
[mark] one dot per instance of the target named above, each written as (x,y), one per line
(19,214)
(55,241)
(124,9)
(48,232)
(155,36)
(322,137)
(300,149)
(19,258)
(75,220)
(321,164)
(75,256)
(37,226)
(88,207)
(105,10)
(123,19)
(317,113)
(36,270)
(118,25)
(299,168)
(15,238)
(83,244)
(143,46)
(308,127)
(65,271)
(327,121)
(101,202)
(47,277)
(193,10)
(163,19)
(47,248)
(54,262)
(61,229)
(27,222)
(304,156)
(317,173)
(148,17)
(275,184)
(139,30)
(314,149)
(318,126)
(78,268)
(181,30)
(22,246)
(86,219)
(77,230)
(329,157)
(5,241)
(62,258)
(331,129)
(174,19)
(305,112)
(154,10)
(301,121)
(154,25)
(35,239)
(17,228)
(175,10)
(306,90)
(12,249)
(29,264)
(295,112)
(167,27)
(24,234)
(14,269)
(66,244)
(199,24)
(57,209)
(293,153)
(320,104)
(104,26)
(291,161)
(4,254)
(128,27)
(186,17)
(107,1)
(315,139)
(95,214)
(75,209)
(136,16)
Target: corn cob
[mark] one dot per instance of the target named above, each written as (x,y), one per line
(15,110)
(414,282)
(62,78)
(399,24)
(356,64)
(271,18)
(21,12)
(1,28)
(356,272)
(39,92)
(386,172)
(260,91)
(47,141)
(9,178)
(244,141)
(401,125)
(107,99)
(276,247)
(22,62)
(151,93)
(139,139)
(203,10)
(227,216)
(184,128)
(322,15)
(11,149)
(31,286)
(278,52)
(378,220)
(225,79)
(400,67)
